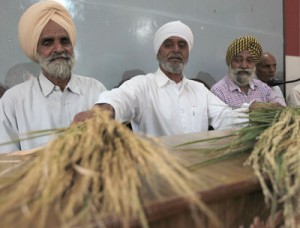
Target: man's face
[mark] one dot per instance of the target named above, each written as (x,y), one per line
(242,68)
(173,54)
(266,68)
(55,51)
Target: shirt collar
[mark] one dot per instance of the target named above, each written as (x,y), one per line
(234,87)
(47,86)
(162,79)
(74,85)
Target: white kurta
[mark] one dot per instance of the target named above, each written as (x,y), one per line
(294,96)
(278,92)
(40,105)
(156,105)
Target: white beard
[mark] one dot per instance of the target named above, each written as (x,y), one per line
(174,68)
(61,68)
(241,77)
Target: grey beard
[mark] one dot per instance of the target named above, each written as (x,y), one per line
(172,68)
(241,79)
(60,70)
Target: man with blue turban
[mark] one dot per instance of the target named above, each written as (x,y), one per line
(47,36)
(166,102)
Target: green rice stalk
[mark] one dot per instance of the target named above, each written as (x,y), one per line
(93,173)
(238,141)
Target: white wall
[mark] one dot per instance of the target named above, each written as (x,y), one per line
(117,35)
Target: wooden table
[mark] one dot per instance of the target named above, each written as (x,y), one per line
(231,189)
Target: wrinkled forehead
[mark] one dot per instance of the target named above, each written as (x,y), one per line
(52,29)
(176,39)
(268,60)
(243,54)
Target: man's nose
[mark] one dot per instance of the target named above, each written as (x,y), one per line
(244,64)
(58,47)
(176,48)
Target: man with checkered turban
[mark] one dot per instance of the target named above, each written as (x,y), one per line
(239,87)
(47,36)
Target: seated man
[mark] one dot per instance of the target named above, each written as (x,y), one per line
(47,36)
(166,102)
(239,87)
(294,96)
(266,69)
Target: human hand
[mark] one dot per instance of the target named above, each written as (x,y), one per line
(82,116)
(263,105)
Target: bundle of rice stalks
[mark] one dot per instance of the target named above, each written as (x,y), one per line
(277,155)
(272,140)
(237,141)
(91,174)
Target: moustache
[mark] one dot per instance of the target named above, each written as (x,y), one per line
(241,72)
(55,56)
(176,56)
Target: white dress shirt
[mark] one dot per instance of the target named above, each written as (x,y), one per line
(278,92)
(156,105)
(40,105)
(294,96)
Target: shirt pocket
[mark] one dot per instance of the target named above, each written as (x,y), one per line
(199,119)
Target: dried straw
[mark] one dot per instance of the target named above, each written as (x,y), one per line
(93,172)
(276,155)
(272,141)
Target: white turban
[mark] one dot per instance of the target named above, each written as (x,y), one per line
(174,28)
(35,19)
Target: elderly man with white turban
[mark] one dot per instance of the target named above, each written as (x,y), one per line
(47,36)
(239,88)
(166,102)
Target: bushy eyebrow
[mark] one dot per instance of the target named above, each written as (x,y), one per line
(168,41)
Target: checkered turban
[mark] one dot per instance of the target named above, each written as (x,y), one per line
(244,43)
